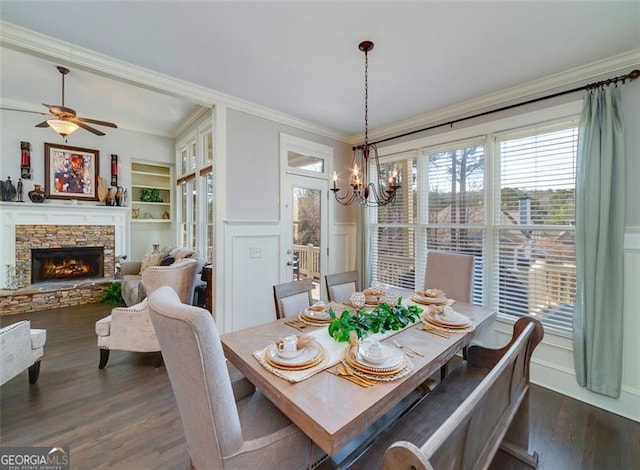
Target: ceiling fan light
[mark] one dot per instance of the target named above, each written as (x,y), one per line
(64,128)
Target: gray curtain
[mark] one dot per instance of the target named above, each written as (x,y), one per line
(600,212)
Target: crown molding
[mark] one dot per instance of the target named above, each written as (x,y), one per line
(567,78)
(28,41)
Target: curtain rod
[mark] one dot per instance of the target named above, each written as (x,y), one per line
(622,78)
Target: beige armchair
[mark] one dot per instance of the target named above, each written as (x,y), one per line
(21,347)
(129,328)
(134,290)
(220,432)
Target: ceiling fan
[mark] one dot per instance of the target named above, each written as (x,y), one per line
(64,120)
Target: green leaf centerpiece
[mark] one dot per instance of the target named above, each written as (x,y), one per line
(382,318)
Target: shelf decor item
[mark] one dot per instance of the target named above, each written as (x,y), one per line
(114,170)
(25,160)
(37,195)
(71,172)
(150,195)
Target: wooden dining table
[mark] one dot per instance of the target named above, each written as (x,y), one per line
(333,411)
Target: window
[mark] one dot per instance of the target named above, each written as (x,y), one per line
(195,153)
(519,224)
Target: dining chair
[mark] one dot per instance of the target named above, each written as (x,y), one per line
(451,273)
(292,297)
(340,286)
(220,432)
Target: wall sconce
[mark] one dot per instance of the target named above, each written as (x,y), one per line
(114,170)
(25,160)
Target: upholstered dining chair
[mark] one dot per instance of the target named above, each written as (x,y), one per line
(292,297)
(451,273)
(129,328)
(340,286)
(220,432)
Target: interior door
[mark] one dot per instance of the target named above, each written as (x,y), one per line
(305,231)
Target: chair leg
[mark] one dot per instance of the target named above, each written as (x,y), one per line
(34,372)
(465,350)
(443,371)
(104,358)
(158,361)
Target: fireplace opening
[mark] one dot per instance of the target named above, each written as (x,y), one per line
(57,264)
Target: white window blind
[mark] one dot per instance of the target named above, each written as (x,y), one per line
(534,219)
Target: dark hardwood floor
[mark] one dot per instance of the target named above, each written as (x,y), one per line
(125,416)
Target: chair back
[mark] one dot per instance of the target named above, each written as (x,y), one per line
(340,286)
(452,273)
(195,362)
(292,297)
(180,276)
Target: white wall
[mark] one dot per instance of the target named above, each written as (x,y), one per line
(252,217)
(16,127)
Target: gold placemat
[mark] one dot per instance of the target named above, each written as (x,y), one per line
(408,367)
(467,329)
(292,375)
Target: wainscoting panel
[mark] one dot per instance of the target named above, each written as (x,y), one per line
(342,246)
(252,261)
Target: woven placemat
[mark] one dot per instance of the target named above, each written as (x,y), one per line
(408,367)
(471,327)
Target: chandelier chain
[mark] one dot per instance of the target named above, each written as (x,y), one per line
(366,98)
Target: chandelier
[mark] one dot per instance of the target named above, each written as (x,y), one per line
(366,189)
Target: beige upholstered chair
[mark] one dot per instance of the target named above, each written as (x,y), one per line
(21,347)
(452,273)
(340,286)
(129,328)
(220,432)
(292,297)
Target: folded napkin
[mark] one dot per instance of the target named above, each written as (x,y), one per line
(449,315)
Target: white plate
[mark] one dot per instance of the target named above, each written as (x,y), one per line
(320,315)
(390,357)
(428,300)
(307,354)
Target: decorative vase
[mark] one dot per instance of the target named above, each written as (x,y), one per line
(37,194)
(108,201)
(118,196)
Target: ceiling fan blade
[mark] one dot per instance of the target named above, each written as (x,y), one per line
(43,124)
(95,121)
(61,111)
(87,128)
(24,111)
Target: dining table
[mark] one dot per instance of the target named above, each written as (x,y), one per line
(332,411)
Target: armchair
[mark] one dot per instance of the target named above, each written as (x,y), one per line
(129,328)
(133,288)
(21,347)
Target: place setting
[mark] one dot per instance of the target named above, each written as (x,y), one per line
(371,360)
(430,297)
(444,320)
(293,358)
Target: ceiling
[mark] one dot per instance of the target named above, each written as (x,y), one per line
(302,58)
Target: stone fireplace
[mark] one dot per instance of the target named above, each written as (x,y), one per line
(101,232)
(61,264)
(62,250)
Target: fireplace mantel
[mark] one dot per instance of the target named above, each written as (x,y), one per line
(48,213)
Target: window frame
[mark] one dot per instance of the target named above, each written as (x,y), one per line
(490,131)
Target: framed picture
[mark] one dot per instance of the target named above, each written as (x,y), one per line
(71,172)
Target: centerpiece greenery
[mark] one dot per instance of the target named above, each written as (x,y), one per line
(382,318)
